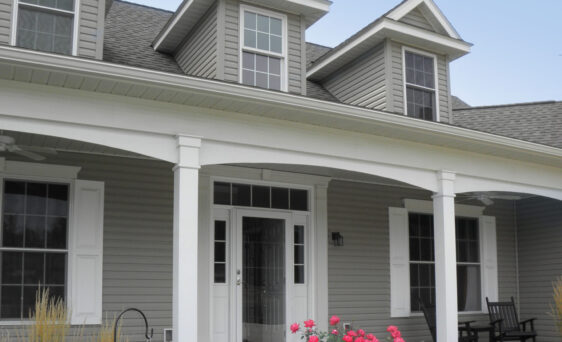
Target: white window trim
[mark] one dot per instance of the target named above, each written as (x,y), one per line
(461,210)
(436,78)
(75,28)
(285,45)
(63,174)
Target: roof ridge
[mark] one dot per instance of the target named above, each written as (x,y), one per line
(511,105)
(145,6)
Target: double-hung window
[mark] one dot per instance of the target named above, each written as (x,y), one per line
(420,87)
(263,55)
(46,25)
(422,262)
(33,245)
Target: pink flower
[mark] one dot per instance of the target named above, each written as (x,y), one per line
(372,338)
(295,327)
(359,339)
(313,339)
(347,338)
(394,332)
(399,339)
(392,328)
(334,320)
(361,332)
(352,333)
(335,332)
(309,324)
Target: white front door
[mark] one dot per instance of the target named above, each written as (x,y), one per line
(263,274)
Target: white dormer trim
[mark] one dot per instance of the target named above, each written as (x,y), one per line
(405,8)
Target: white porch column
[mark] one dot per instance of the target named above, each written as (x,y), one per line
(186,180)
(445,258)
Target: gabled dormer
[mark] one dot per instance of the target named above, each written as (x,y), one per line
(398,63)
(69,27)
(257,43)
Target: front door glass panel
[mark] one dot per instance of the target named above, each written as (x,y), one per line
(263,279)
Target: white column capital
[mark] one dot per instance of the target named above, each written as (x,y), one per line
(446,183)
(188,151)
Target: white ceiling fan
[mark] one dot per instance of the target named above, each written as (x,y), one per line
(487,197)
(8,144)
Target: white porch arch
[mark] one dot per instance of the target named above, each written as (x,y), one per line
(466,183)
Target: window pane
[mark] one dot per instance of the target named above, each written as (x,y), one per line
(14,197)
(420,103)
(299,254)
(12,230)
(30,293)
(248,60)
(260,196)
(249,20)
(261,80)
(11,268)
(220,252)
(299,234)
(248,77)
(57,204)
(468,294)
(220,273)
(274,66)
(299,274)
(55,268)
(67,5)
(276,26)
(44,31)
(275,82)
(414,275)
(299,199)
(276,44)
(36,199)
(33,266)
(249,38)
(221,193)
(56,232)
(261,63)
(263,23)
(279,198)
(241,194)
(220,230)
(35,231)
(263,41)
(10,302)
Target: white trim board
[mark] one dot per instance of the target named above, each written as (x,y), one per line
(26,169)
(426,207)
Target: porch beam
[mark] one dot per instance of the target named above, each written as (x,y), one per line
(445,258)
(186,190)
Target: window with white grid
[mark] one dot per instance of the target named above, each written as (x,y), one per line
(46,25)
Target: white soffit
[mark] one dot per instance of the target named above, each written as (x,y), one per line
(190,12)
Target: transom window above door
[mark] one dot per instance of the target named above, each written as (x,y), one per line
(263,54)
(260,196)
(46,25)
(420,88)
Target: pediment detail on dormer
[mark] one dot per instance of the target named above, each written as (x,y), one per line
(423,14)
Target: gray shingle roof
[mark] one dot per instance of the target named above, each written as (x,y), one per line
(129,31)
(458,103)
(538,122)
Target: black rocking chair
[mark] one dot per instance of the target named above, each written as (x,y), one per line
(464,327)
(504,319)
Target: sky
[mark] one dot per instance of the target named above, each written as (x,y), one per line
(517,52)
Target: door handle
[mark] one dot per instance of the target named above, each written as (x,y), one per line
(238,280)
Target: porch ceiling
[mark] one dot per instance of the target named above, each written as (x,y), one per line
(64,145)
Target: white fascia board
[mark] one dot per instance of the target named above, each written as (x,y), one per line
(402,10)
(321,109)
(321,5)
(391,25)
(168,28)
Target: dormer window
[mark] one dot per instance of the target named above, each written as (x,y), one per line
(46,25)
(263,52)
(420,85)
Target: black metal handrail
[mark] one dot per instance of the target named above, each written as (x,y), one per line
(146,333)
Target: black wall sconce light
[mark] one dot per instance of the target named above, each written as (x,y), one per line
(337,239)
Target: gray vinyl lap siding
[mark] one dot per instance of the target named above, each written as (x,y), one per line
(90,31)
(198,54)
(294,64)
(137,251)
(363,82)
(359,272)
(5,21)
(539,222)
(416,18)
(443,85)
